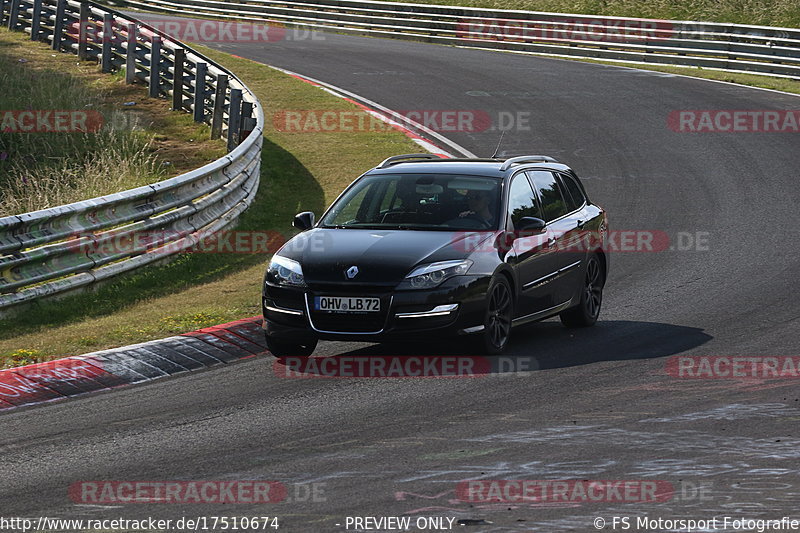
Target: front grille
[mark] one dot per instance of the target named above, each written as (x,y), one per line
(349,289)
(349,323)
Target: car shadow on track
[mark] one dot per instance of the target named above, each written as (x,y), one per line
(550,345)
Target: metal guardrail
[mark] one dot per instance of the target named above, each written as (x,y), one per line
(732,47)
(64,248)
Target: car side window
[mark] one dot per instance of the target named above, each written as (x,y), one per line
(572,192)
(521,200)
(546,186)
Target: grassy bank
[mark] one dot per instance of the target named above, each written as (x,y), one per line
(300,171)
(138,143)
(785,13)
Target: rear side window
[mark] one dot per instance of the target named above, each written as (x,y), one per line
(521,200)
(573,193)
(546,186)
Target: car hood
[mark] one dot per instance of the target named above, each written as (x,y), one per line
(383,257)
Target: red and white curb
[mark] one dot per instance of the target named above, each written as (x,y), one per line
(420,134)
(376,110)
(118,367)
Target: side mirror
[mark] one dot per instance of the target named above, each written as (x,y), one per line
(531,225)
(504,242)
(304,220)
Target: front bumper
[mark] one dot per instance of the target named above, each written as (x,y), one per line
(456,307)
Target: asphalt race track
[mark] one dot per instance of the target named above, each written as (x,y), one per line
(599,404)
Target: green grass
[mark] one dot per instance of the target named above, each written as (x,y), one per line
(300,171)
(46,169)
(785,13)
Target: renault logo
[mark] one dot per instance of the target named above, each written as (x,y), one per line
(351,272)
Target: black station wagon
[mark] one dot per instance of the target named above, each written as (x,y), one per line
(420,247)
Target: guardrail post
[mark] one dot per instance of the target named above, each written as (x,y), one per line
(108,40)
(248,123)
(58,25)
(199,104)
(234,116)
(155,66)
(36,19)
(177,79)
(48,233)
(83,30)
(219,106)
(13,14)
(130,54)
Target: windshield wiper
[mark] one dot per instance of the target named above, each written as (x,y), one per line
(340,226)
(393,227)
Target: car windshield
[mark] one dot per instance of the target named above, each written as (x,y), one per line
(444,202)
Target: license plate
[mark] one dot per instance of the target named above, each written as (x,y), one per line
(346,304)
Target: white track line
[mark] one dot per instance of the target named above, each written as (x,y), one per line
(643,68)
(395,116)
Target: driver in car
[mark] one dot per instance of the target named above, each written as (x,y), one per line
(478,203)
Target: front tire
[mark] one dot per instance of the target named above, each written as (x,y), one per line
(284,348)
(497,321)
(588,309)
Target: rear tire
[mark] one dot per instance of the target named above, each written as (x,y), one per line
(588,309)
(284,348)
(497,321)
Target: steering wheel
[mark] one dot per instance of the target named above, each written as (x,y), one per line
(459,222)
(474,216)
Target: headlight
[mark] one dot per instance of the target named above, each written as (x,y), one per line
(285,271)
(433,274)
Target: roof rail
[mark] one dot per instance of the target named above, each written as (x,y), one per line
(397,158)
(526,159)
